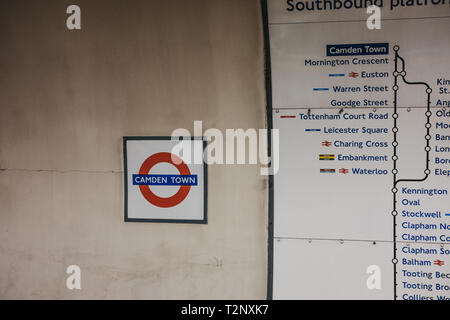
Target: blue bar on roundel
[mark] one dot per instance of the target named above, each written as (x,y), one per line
(164,180)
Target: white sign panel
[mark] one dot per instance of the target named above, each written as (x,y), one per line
(161,183)
(361,199)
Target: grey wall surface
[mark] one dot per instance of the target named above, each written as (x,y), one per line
(66,100)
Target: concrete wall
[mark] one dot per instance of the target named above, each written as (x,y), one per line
(68,97)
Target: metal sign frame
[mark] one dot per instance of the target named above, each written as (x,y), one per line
(205,182)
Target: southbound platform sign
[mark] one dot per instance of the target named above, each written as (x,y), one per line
(160,186)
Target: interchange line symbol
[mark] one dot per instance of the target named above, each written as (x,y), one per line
(401,73)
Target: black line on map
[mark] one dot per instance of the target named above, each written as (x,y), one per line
(401,73)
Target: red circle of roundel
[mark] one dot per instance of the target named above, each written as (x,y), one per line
(182,168)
